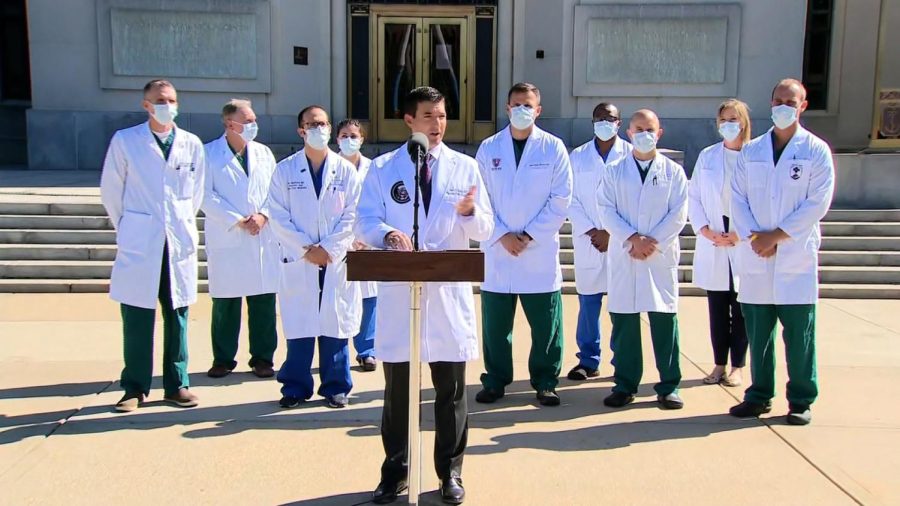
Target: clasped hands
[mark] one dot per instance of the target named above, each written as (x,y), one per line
(253,224)
(765,244)
(720,239)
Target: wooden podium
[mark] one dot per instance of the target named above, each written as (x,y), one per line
(416,267)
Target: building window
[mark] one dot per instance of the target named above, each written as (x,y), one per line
(817,51)
(15,77)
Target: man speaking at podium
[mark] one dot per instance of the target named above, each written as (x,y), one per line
(454,209)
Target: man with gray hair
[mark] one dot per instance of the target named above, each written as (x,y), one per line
(242,253)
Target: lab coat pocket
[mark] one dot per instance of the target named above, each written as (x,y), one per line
(748,261)
(797,256)
(186,175)
(293,277)
(133,233)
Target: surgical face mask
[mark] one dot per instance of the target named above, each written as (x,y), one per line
(784,116)
(521,117)
(165,113)
(729,130)
(317,138)
(349,145)
(605,130)
(249,132)
(644,142)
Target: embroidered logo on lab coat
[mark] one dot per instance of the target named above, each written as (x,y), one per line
(399,193)
(496,162)
(796,171)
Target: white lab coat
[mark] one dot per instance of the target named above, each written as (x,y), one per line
(300,220)
(533,198)
(152,202)
(705,208)
(793,195)
(368,288)
(588,168)
(656,208)
(448,309)
(239,264)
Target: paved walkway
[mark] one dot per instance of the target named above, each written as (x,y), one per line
(60,443)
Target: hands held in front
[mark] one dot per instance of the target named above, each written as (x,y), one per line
(253,224)
(765,244)
(317,255)
(397,240)
(642,246)
(466,205)
(515,243)
(720,239)
(599,239)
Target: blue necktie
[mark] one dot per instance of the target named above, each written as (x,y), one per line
(425,181)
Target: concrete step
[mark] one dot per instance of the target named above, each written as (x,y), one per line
(63,269)
(82,207)
(70,237)
(64,252)
(62,222)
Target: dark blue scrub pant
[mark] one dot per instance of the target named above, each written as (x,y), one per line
(587,333)
(364,342)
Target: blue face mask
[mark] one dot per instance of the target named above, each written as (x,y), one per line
(644,142)
(784,116)
(729,130)
(521,117)
(605,130)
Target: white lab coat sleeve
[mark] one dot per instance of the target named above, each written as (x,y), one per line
(371,222)
(741,215)
(546,224)
(617,227)
(341,237)
(818,197)
(480,225)
(500,228)
(200,186)
(581,222)
(280,220)
(695,189)
(217,208)
(112,180)
(672,224)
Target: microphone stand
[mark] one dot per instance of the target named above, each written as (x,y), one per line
(414,437)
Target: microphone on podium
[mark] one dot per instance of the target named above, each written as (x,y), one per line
(417,146)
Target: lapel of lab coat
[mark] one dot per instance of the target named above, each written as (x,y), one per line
(154,146)
(654,175)
(260,175)
(716,177)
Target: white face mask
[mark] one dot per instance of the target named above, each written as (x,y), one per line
(317,138)
(605,130)
(644,142)
(249,132)
(784,116)
(729,130)
(349,145)
(165,113)
(521,117)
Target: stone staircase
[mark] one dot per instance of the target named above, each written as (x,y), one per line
(66,244)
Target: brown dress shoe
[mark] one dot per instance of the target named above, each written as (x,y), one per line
(263,370)
(129,402)
(218,371)
(182,398)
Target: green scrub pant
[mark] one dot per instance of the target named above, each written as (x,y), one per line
(137,324)
(799,322)
(544,314)
(226,328)
(628,360)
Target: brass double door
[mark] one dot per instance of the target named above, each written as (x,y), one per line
(422,51)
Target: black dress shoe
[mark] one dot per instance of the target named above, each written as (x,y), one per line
(749,409)
(581,373)
(387,492)
(488,395)
(452,491)
(671,401)
(618,399)
(548,397)
(289,401)
(799,415)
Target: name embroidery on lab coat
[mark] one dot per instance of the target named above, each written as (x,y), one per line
(399,193)
(457,192)
(296,185)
